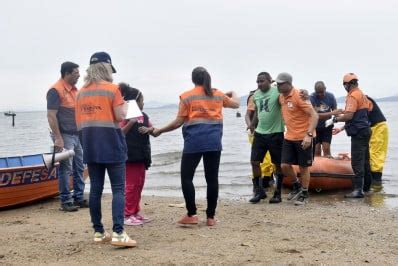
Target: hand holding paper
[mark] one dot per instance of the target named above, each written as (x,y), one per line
(330,121)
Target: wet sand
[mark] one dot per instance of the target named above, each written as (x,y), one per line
(345,232)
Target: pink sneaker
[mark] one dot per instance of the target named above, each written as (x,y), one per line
(132,220)
(142,218)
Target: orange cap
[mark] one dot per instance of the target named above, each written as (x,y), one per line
(349,76)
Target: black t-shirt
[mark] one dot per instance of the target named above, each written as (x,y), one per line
(376,115)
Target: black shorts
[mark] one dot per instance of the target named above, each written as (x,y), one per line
(267,142)
(324,135)
(292,153)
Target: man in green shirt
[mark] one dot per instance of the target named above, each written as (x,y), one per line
(268,134)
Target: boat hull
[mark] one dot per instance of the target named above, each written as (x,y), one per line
(327,174)
(19,186)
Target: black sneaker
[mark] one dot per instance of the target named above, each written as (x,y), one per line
(302,198)
(295,192)
(68,207)
(81,204)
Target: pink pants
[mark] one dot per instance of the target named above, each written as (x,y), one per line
(135,179)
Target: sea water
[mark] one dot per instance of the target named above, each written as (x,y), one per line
(31,136)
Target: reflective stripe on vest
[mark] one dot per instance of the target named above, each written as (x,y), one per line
(94,106)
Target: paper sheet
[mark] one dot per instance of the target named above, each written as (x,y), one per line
(133,110)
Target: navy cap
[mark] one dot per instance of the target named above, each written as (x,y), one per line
(102,57)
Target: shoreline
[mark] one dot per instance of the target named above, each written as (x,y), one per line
(318,233)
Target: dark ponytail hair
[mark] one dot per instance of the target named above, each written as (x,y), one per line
(200,76)
(129,93)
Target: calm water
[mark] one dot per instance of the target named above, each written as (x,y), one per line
(31,135)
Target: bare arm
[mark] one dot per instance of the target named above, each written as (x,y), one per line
(345,117)
(313,122)
(325,116)
(120,112)
(248,116)
(234,103)
(129,125)
(53,123)
(176,123)
(313,119)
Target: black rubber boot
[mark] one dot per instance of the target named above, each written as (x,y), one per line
(260,192)
(254,185)
(357,192)
(277,198)
(367,181)
(376,182)
(376,178)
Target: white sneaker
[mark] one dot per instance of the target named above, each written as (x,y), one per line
(122,240)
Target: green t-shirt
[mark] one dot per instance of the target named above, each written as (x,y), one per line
(269,111)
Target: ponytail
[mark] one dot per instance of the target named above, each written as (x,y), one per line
(200,76)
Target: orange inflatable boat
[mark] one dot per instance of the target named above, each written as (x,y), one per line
(328,174)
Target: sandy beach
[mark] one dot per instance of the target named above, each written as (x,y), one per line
(347,232)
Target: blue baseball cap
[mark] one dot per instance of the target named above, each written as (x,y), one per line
(102,57)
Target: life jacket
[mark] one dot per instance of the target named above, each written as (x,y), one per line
(138,145)
(360,120)
(100,134)
(202,130)
(66,111)
(67,94)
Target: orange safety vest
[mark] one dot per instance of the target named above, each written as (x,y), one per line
(67,93)
(201,108)
(94,107)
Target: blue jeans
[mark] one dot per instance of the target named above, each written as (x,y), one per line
(117,174)
(72,166)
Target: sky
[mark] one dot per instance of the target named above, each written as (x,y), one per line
(154,45)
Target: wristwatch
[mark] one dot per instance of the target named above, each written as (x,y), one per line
(310,134)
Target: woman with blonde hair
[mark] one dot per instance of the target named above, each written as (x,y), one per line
(99,109)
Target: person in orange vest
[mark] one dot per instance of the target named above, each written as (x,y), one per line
(357,126)
(61,100)
(99,109)
(200,113)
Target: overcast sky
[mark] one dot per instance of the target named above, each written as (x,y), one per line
(155,44)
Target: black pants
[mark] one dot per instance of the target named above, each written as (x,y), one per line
(211,163)
(359,156)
